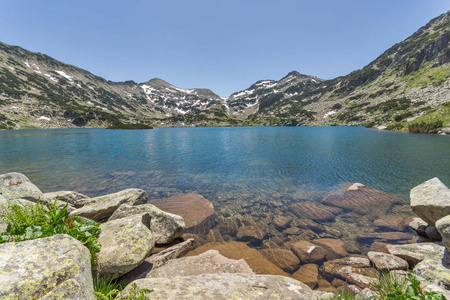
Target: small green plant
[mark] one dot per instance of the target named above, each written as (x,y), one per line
(135,294)
(425,126)
(403,288)
(28,222)
(108,290)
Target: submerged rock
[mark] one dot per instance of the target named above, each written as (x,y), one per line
(314,211)
(283,258)
(362,199)
(125,244)
(165,226)
(308,252)
(56,267)
(17,185)
(198,213)
(431,200)
(237,250)
(224,287)
(103,207)
(209,262)
(250,234)
(308,274)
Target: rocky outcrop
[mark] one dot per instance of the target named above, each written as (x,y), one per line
(56,267)
(101,208)
(16,185)
(209,262)
(198,213)
(125,244)
(431,200)
(165,226)
(225,286)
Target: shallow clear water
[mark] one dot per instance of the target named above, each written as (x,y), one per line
(295,163)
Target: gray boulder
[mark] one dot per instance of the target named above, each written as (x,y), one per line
(431,200)
(354,270)
(101,208)
(415,253)
(209,262)
(165,226)
(225,286)
(75,199)
(56,267)
(419,226)
(159,259)
(443,227)
(125,244)
(16,185)
(385,262)
(435,270)
(433,234)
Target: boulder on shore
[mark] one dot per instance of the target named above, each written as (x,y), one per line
(387,262)
(74,199)
(101,208)
(165,226)
(225,286)
(198,213)
(431,200)
(125,244)
(17,185)
(56,267)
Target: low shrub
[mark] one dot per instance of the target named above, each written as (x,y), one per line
(425,126)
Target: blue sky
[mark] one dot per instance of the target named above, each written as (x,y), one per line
(223,45)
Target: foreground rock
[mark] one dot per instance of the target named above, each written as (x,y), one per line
(209,262)
(125,244)
(165,226)
(362,199)
(443,227)
(16,185)
(225,287)
(57,267)
(198,213)
(431,200)
(101,208)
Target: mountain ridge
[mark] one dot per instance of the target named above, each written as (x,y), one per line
(405,81)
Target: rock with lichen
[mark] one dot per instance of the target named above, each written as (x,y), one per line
(165,226)
(101,208)
(224,286)
(17,185)
(56,267)
(125,244)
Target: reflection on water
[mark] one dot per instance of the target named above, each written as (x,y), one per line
(243,171)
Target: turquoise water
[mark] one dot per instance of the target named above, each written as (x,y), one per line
(298,163)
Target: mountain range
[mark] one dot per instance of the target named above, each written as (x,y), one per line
(407,80)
